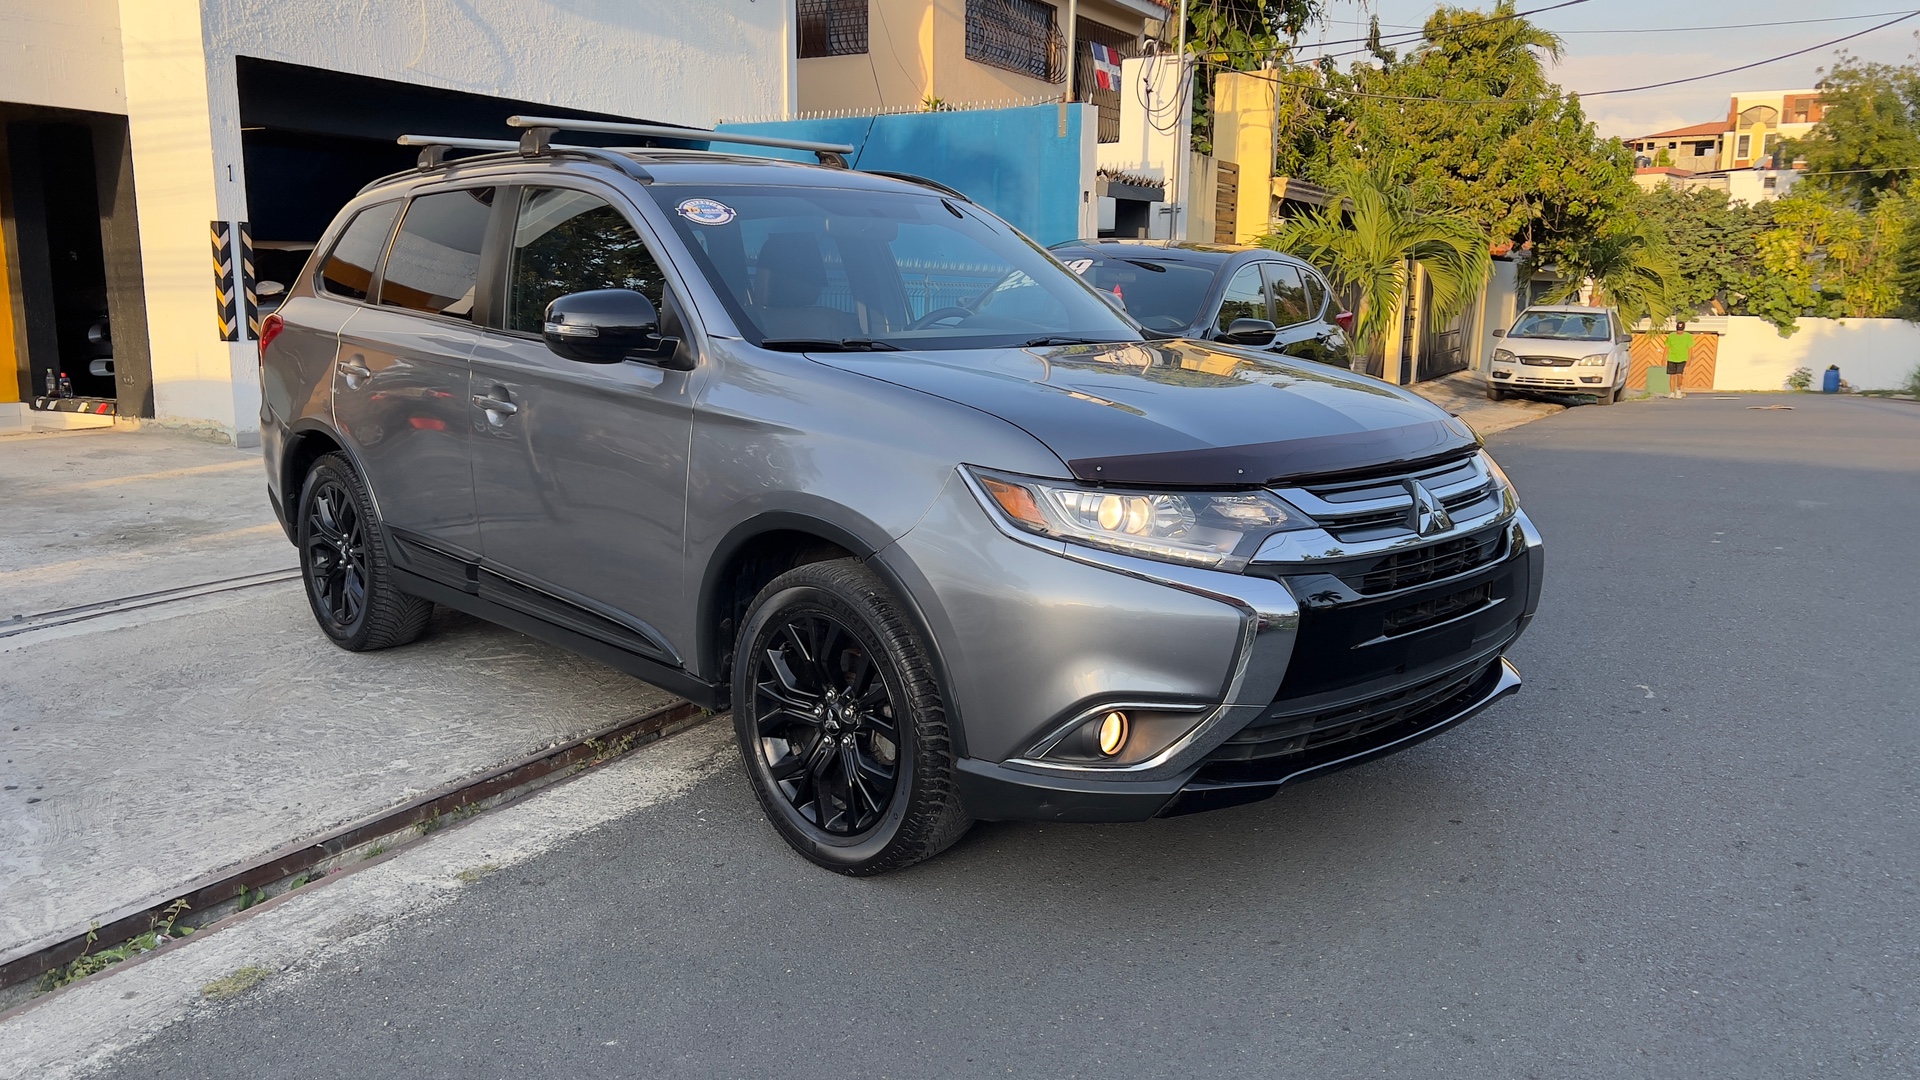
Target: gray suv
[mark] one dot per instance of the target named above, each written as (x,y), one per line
(850,456)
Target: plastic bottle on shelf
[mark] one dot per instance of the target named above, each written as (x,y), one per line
(66,386)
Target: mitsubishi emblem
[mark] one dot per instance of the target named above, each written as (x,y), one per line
(1427,515)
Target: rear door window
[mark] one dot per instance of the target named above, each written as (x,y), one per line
(570,241)
(434,267)
(1317,292)
(1289,296)
(348,270)
(1246,297)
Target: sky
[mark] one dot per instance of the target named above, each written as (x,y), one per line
(1599,55)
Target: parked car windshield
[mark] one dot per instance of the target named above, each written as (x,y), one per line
(829,268)
(1159,294)
(1563,326)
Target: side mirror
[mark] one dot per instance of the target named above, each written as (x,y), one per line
(1499,333)
(267,289)
(1251,332)
(605,326)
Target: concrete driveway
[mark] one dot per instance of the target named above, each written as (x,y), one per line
(146,746)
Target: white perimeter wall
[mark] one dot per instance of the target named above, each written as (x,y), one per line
(1873,354)
(63,53)
(680,61)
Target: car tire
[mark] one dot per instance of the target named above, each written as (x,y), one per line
(344,566)
(1607,397)
(1494,393)
(825,654)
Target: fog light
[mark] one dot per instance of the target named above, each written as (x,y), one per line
(1113,733)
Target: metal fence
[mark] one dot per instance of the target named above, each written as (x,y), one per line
(832,27)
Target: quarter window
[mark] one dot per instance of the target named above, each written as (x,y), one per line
(348,270)
(1290,306)
(1246,297)
(1317,292)
(434,267)
(568,242)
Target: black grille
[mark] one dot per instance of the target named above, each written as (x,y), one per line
(1417,566)
(832,27)
(1435,611)
(1019,35)
(1547,361)
(1277,735)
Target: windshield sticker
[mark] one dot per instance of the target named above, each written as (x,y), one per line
(705,211)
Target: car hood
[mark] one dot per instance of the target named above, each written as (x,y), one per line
(1181,413)
(1528,346)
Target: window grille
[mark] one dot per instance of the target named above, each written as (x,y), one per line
(1018,35)
(832,27)
(1086,86)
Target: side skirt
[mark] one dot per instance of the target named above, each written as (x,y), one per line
(675,680)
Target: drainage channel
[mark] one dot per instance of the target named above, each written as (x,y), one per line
(224,893)
(26,624)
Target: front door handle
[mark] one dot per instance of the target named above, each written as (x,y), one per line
(355,371)
(496,408)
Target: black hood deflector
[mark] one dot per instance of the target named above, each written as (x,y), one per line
(1181,413)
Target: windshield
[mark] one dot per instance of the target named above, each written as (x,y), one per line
(1160,295)
(1563,326)
(830,268)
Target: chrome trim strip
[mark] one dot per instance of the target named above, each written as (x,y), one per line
(1312,546)
(1052,740)
(1493,603)
(1331,512)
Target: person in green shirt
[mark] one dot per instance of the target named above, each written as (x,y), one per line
(1679,347)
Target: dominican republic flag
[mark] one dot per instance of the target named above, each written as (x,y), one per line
(1106,66)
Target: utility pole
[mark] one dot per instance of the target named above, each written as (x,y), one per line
(1183,141)
(1073,48)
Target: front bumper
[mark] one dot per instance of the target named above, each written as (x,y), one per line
(1288,677)
(1568,380)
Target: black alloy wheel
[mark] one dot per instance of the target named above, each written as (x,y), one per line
(842,722)
(343,563)
(336,555)
(826,723)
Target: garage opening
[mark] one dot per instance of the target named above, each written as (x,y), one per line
(312,138)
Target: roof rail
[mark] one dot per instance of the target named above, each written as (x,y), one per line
(433,152)
(921,180)
(540,129)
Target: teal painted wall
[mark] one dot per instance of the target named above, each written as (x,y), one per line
(1014,162)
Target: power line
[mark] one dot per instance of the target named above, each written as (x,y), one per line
(1755,64)
(1488,21)
(1603,93)
(1734,26)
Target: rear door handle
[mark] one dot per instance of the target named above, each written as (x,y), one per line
(355,371)
(495,405)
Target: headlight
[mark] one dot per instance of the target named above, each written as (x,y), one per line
(1218,530)
(1502,356)
(1596,360)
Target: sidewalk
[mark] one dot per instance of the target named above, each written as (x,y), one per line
(1464,394)
(148,747)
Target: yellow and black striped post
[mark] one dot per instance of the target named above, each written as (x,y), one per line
(223,292)
(248,286)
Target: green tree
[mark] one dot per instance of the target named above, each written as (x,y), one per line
(1868,139)
(1629,266)
(1470,123)
(1374,244)
(1713,241)
(1241,35)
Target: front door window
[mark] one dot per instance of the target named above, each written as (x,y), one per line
(568,242)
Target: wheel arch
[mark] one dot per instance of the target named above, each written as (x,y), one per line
(762,548)
(307,443)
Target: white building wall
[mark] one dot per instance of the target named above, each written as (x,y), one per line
(1873,354)
(669,60)
(61,53)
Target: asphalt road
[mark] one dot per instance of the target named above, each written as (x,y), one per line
(1688,848)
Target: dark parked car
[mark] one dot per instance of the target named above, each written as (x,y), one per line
(1205,292)
(848,455)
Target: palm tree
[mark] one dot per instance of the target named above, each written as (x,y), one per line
(1630,267)
(1369,239)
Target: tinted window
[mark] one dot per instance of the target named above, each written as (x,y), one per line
(435,262)
(1159,295)
(909,269)
(1290,305)
(1245,299)
(1316,293)
(348,270)
(568,242)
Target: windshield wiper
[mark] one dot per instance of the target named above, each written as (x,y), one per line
(1042,341)
(828,345)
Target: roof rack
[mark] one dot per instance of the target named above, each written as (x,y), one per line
(433,152)
(541,129)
